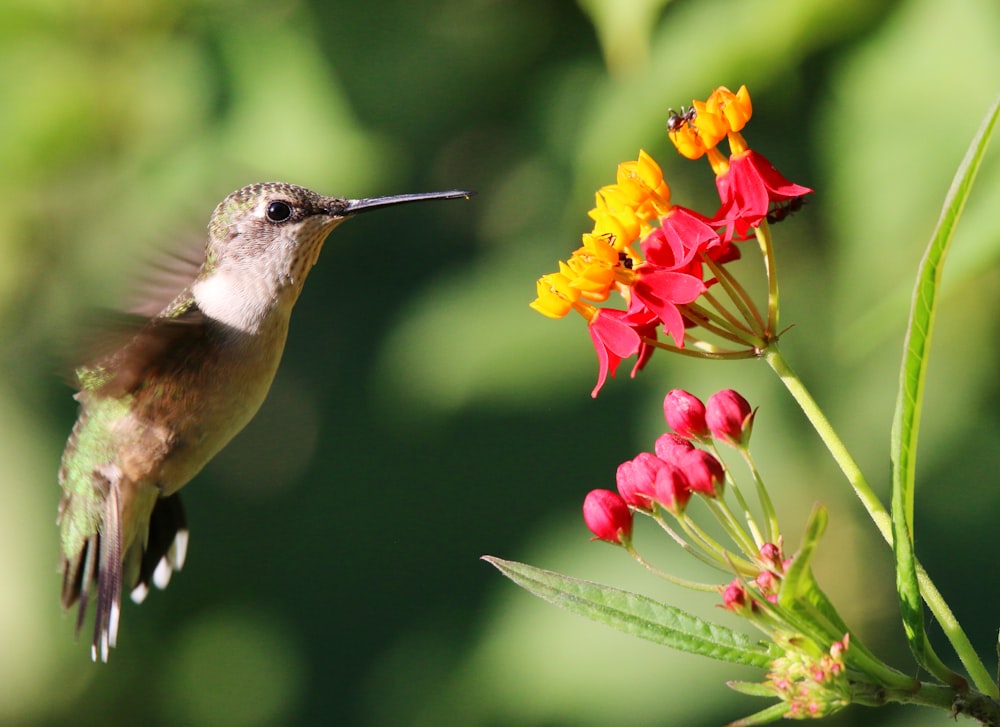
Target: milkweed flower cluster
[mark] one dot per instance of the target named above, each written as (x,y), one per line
(809,674)
(664,259)
(652,275)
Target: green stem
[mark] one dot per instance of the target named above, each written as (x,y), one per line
(765,499)
(747,543)
(767,251)
(876,510)
(717,324)
(676,580)
(724,314)
(880,516)
(737,293)
(714,562)
(733,487)
(694,351)
(979,707)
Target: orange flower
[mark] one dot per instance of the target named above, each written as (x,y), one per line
(613,215)
(591,268)
(708,122)
(735,108)
(698,130)
(555,295)
(641,182)
(628,208)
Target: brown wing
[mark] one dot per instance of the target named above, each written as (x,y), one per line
(132,347)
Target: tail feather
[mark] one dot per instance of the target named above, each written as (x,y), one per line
(166,546)
(109,580)
(101,565)
(78,575)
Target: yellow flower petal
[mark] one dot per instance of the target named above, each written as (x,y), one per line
(734,107)
(555,295)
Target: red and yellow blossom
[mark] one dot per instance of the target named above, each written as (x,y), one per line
(616,335)
(660,286)
(614,216)
(748,184)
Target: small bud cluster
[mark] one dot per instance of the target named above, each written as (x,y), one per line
(810,676)
(811,683)
(739,598)
(684,463)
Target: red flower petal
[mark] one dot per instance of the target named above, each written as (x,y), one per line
(613,340)
(662,291)
(746,190)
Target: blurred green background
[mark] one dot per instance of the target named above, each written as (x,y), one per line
(424,416)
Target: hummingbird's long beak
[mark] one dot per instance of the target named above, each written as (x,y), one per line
(354,206)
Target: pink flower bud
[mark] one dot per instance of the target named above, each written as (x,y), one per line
(734,597)
(672,491)
(702,472)
(685,414)
(729,417)
(636,480)
(768,583)
(771,558)
(607,516)
(670,446)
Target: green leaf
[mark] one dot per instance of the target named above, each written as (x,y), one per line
(752,689)
(906,423)
(637,615)
(764,716)
(800,593)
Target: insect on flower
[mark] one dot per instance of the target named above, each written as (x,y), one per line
(785,209)
(676,121)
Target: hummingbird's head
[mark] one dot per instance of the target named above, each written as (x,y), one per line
(274,227)
(264,239)
(284,226)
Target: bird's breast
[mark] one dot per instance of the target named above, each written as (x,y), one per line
(198,401)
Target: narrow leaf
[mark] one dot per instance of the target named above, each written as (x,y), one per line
(637,615)
(906,423)
(752,689)
(765,716)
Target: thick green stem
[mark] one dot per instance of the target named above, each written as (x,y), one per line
(763,233)
(880,516)
(841,456)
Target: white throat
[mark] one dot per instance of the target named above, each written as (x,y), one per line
(240,300)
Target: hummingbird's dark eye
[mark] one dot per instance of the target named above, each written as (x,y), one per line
(279,211)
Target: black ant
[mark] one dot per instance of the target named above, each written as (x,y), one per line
(785,209)
(676,121)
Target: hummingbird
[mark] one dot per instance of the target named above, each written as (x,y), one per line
(177,387)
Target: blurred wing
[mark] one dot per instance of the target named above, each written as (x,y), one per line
(127,350)
(163,278)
